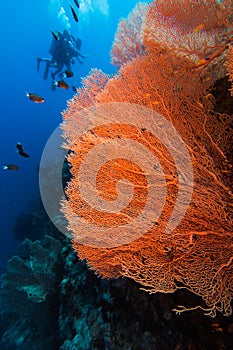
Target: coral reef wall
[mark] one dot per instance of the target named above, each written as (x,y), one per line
(75,309)
(27,296)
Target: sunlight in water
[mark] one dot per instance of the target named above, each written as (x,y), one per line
(56,9)
(91,5)
(63,18)
(61,9)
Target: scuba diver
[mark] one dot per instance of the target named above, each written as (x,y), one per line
(63,49)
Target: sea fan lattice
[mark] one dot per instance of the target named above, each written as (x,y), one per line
(198,253)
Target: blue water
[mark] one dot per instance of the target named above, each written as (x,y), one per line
(25,27)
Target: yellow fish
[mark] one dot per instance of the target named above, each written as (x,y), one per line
(200,63)
(200,104)
(199,27)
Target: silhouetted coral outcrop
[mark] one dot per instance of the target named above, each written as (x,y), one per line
(27,295)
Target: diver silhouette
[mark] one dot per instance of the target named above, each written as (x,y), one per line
(64,49)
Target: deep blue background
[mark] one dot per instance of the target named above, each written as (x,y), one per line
(25,35)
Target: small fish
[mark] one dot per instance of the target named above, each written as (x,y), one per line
(76,3)
(74,14)
(217,327)
(200,104)
(69,73)
(54,34)
(20,150)
(10,167)
(207,79)
(34,97)
(208,95)
(200,63)
(61,84)
(199,27)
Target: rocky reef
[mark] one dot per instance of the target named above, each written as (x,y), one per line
(28,296)
(50,300)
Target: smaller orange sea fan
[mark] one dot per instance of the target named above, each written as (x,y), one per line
(127,43)
(92,85)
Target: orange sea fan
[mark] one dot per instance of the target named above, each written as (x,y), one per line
(86,95)
(198,253)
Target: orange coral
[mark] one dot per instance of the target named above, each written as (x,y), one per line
(197,29)
(92,85)
(198,253)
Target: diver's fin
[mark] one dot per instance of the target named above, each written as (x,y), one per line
(38,64)
(46,72)
(88,55)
